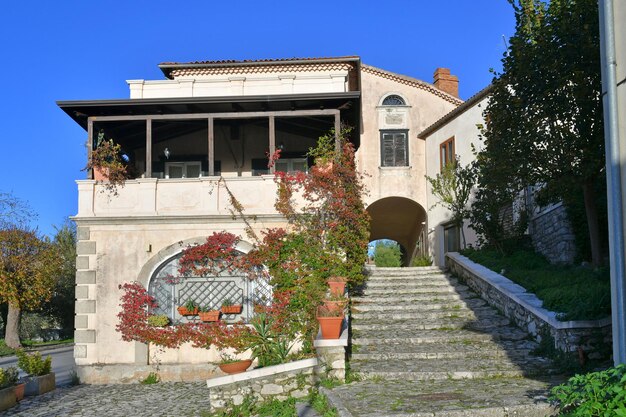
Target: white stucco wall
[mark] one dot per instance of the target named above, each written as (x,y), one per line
(423,108)
(466,133)
(119,236)
(242,84)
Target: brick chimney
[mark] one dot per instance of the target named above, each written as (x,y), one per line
(446,82)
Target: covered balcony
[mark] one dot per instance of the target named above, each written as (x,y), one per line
(178,149)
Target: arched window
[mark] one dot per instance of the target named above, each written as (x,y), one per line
(172,290)
(393,100)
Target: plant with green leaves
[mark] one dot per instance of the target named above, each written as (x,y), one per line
(596,394)
(387,254)
(158,320)
(151,379)
(8,377)
(453,187)
(32,363)
(268,344)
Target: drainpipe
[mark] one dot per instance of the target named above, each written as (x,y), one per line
(614,178)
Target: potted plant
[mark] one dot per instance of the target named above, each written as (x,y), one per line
(208,315)
(331,321)
(337,285)
(158,320)
(40,377)
(190,308)
(228,307)
(9,388)
(232,365)
(335,302)
(107,164)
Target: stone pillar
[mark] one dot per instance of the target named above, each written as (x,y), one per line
(84,321)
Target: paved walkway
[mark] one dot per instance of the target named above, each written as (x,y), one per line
(163,399)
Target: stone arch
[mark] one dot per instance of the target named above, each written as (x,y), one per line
(167,253)
(400,219)
(160,277)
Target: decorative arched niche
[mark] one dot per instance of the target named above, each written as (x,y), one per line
(171,290)
(393,111)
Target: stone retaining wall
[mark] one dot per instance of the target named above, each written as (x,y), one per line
(553,236)
(293,379)
(526,311)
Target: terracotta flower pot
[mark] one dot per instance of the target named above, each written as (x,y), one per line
(337,288)
(213,315)
(19,391)
(182,310)
(234,309)
(235,367)
(100,174)
(332,305)
(330,326)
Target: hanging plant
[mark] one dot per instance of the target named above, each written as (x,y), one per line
(107,164)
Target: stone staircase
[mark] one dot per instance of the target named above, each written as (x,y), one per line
(425,342)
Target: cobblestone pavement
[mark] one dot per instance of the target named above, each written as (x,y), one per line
(128,400)
(495,397)
(163,399)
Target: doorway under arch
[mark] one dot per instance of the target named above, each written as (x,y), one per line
(402,220)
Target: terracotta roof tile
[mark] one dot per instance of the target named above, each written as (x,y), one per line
(414,82)
(257,69)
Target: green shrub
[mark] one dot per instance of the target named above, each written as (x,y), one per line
(8,377)
(33,364)
(387,254)
(158,320)
(423,260)
(593,394)
(152,378)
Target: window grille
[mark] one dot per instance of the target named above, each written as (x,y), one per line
(393,100)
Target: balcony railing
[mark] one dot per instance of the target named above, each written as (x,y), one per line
(177,197)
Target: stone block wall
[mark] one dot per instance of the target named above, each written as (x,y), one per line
(526,311)
(293,379)
(552,235)
(85,308)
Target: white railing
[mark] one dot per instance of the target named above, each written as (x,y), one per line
(177,197)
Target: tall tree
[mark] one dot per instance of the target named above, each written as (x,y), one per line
(545,116)
(28,264)
(61,304)
(387,254)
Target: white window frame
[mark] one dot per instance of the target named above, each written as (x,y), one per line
(184,166)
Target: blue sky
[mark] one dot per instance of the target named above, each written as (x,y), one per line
(75,50)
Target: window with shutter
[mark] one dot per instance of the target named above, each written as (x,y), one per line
(394,148)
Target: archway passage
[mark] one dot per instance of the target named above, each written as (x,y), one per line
(400,219)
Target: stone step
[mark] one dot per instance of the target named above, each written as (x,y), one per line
(492,397)
(391,335)
(406,303)
(405,270)
(418,287)
(425,369)
(442,279)
(401,349)
(400,313)
(431,324)
(418,294)
(411,282)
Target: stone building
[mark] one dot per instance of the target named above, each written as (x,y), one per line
(210,125)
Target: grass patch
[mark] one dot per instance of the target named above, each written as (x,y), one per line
(29,344)
(574,292)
